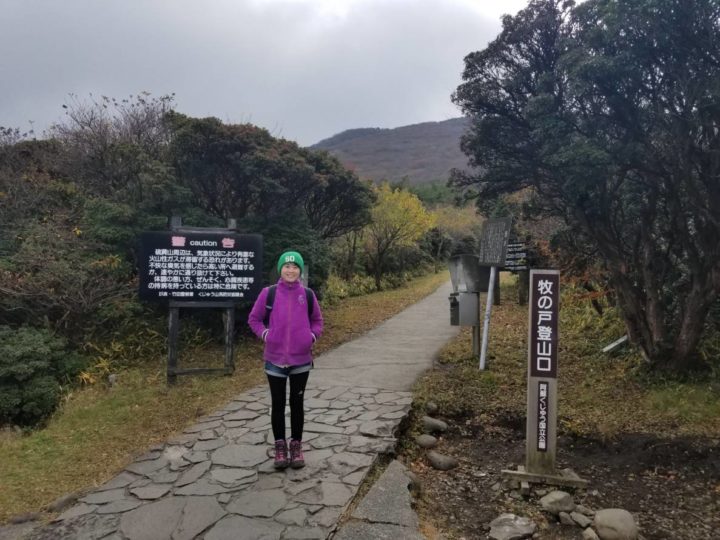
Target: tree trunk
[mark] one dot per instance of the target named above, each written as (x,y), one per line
(595,304)
(352,255)
(668,341)
(378,264)
(694,314)
(437,255)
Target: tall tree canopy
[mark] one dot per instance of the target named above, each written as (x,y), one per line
(242,171)
(610,112)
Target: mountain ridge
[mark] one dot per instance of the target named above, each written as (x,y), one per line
(422,153)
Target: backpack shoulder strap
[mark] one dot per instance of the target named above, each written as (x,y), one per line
(310,301)
(269,301)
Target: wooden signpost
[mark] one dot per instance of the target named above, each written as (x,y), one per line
(517,262)
(493,248)
(541,429)
(192,267)
(516,257)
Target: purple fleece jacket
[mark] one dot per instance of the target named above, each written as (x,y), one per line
(288,342)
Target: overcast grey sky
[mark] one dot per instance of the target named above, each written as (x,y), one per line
(304,69)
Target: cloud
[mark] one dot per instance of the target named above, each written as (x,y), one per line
(304,69)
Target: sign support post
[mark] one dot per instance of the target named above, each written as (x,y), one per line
(488,310)
(476,339)
(229,317)
(523,287)
(493,249)
(173,330)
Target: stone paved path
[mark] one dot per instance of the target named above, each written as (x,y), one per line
(216,480)
(385,513)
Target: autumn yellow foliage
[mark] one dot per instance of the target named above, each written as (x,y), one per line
(398,219)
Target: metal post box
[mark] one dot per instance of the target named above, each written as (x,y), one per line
(454,310)
(464,309)
(467,275)
(469,309)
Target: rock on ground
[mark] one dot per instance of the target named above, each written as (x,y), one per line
(441,462)
(557,501)
(433,425)
(511,527)
(426,441)
(581,519)
(615,524)
(388,500)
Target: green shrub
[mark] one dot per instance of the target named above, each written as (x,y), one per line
(40,397)
(361,284)
(34,364)
(59,277)
(336,289)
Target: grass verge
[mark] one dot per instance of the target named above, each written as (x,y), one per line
(98,430)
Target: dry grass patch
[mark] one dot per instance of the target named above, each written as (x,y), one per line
(98,430)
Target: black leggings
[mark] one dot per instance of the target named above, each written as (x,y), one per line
(297,414)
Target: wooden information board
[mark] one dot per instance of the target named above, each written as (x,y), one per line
(494,240)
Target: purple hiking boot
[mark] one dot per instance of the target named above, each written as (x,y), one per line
(297,460)
(281,455)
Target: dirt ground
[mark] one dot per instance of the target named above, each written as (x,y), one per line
(671,486)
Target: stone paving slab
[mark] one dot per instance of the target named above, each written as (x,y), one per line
(386,510)
(389,500)
(360,530)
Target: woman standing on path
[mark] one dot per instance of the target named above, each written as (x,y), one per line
(287,318)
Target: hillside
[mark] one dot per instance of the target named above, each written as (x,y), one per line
(423,152)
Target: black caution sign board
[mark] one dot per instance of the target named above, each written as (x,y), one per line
(202,266)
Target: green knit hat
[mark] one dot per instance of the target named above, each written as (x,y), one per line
(291,257)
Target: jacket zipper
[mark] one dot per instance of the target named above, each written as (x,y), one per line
(287,327)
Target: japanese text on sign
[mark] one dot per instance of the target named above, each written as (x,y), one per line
(543,330)
(542,416)
(199,266)
(516,257)
(208,271)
